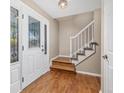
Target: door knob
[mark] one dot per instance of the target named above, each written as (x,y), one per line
(42,50)
(105,57)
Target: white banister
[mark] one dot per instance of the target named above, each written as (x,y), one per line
(82,39)
(83,29)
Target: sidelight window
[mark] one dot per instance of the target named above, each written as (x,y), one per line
(14,35)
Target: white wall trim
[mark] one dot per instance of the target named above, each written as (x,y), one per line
(88,73)
(63,56)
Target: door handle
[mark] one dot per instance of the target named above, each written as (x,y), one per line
(105,57)
(42,50)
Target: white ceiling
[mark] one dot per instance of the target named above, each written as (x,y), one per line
(74,7)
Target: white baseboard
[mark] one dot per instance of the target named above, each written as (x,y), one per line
(88,73)
(63,56)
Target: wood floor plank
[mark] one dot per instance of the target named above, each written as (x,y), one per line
(64,82)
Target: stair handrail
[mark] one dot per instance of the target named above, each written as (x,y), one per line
(82,29)
(77,36)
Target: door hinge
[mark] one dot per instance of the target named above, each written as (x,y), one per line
(22,48)
(22,16)
(22,79)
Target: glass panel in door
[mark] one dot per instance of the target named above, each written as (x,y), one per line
(34,33)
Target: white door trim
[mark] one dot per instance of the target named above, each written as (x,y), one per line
(106,26)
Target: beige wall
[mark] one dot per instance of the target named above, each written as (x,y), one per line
(69,26)
(93,64)
(53,38)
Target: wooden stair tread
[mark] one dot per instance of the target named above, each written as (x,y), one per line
(63,59)
(63,63)
(63,67)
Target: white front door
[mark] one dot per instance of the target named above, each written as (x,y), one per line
(35,60)
(108,46)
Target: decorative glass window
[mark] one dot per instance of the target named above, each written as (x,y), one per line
(34,33)
(14,35)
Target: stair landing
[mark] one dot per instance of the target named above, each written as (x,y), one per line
(63,63)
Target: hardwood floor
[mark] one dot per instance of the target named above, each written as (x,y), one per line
(64,82)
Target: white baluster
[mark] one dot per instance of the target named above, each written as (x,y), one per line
(88,36)
(71,47)
(92,32)
(78,42)
(81,40)
(75,45)
(85,38)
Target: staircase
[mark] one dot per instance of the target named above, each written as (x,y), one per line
(82,46)
(63,63)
